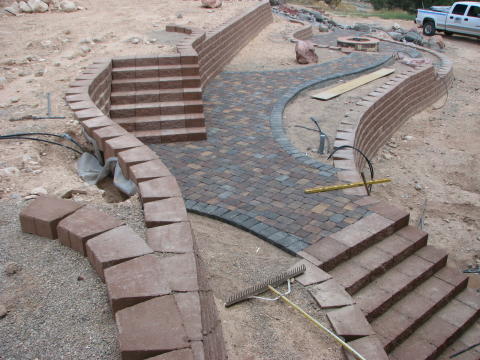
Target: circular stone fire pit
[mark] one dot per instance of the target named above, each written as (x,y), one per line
(359,43)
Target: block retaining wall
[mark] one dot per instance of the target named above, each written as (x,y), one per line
(382,112)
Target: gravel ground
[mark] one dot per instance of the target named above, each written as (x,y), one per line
(57,306)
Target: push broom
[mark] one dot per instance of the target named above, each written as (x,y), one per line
(277,280)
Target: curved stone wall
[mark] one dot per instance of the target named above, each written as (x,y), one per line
(382,112)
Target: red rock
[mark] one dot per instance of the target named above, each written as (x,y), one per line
(76,229)
(305,52)
(115,246)
(43,214)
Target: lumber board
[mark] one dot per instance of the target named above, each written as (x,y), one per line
(352,84)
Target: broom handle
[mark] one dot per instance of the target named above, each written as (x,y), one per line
(323,328)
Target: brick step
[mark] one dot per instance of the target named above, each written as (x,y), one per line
(155,95)
(159,122)
(152,83)
(171,135)
(378,296)
(329,252)
(156,108)
(413,310)
(364,267)
(138,72)
(442,329)
(124,62)
(469,338)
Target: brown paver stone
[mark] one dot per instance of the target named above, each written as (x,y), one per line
(116,145)
(451,276)
(369,347)
(312,274)
(189,305)
(349,322)
(149,276)
(413,348)
(148,170)
(150,328)
(173,238)
(329,251)
(135,156)
(163,212)
(330,294)
(184,354)
(76,229)
(43,214)
(436,331)
(115,246)
(159,189)
(399,216)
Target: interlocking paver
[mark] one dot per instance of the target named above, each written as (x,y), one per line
(248,166)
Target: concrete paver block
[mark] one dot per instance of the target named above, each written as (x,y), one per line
(173,238)
(148,276)
(349,322)
(76,229)
(135,156)
(369,347)
(159,188)
(148,170)
(115,246)
(42,215)
(163,212)
(118,144)
(184,354)
(330,294)
(150,328)
(312,274)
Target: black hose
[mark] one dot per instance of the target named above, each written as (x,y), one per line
(321,133)
(361,153)
(61,136)
(41,140)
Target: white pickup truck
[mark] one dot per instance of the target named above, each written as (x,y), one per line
(461,18)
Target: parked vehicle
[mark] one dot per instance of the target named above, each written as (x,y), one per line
(460,18)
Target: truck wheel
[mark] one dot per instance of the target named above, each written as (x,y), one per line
(429,28)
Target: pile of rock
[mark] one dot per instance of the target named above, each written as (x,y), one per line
(40,6)
(316,18)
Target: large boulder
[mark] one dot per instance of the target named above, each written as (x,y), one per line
(438,39)
(305,52)
(415,37)
(212,3)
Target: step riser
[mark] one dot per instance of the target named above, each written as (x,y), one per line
(357,286)
(453,337)
(119,74)
(149,98)
(382,308)
(163,139)
(161,124)
(155,85)
(419,321)
(159,110)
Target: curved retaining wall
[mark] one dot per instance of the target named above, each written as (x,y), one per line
(169,231)
(382,112)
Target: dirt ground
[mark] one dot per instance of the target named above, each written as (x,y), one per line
(256,329)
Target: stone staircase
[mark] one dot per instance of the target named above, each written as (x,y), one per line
(158,99)
(416,304)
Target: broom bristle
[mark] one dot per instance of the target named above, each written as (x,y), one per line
(263,286)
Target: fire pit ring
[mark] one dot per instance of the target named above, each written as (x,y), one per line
(359,43)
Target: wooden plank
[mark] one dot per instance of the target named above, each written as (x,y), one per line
(352,84)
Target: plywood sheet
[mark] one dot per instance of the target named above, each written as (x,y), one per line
(352,84)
